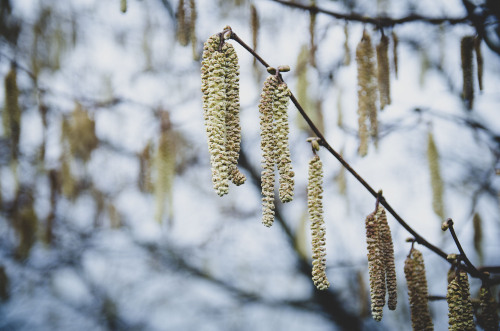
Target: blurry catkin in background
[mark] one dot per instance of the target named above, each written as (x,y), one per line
(123,6)
(347,50)
(11,116)
(395,41)
(416,280)
(254,24)
(145,165)
(165,169)
(312,35)
(435,175)
(192,29)
(479,61)
(478,236)
(466,48)
(384,83)
(367,93)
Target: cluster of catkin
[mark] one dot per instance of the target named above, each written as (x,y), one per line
(275,148)
(220,87)
(460,312)
(315,208)
(373,76)
(381,265)
(417,291)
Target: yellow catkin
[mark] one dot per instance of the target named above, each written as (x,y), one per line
(254,25)
(487,316)
(347,50)
(478,236)
(25,224)
(460,313)
(466,49)
(315,208)
(341,177)
(11,116)
(384,83)
(182,24)
(81,133)
(233,129)
(387,251)
(268,147)
(164,162)
(145,165)
(192,28)
(479,61)
(375,267)
(367,93)
(395,41)
(435,174)
(283,159)
(213,87)
(123,6)
(312,35)
(417,291)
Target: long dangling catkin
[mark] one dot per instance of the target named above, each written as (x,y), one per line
(123,6)
(283,160)
(479,61)
(182,24)
(487,316)
(367,93)
(347,50)
(375,267)
(192,28)
(214,105)
(165,169)
(395,41)
(435,174)
(268,147)
(387,251)
(312,35)
(384,83)
(145,164)
(11,116)
(417,291)
(466,48)
(478,236)
(460,315)
(254,24)
(233,129)
(315,207)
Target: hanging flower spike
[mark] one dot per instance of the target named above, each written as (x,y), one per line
(268,146)
(214,105)
(466,49)
(487,317)
(384,83)
(233,129)
(375,267)
(417,291)
(387,250)
(460,316)
(315,207)
(283,149)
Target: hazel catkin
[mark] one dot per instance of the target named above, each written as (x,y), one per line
(375,267)
(487,316)
(387,252)
(460,315)
(417,291)
(315,208)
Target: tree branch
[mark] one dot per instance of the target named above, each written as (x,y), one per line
(381,21)
(418,238)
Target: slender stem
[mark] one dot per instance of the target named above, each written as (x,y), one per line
(381,21)
(463,256)
(322,141)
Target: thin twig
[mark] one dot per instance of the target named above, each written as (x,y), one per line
(463,256)
(381,21)
(418,238)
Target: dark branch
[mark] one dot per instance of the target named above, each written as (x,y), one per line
(381,21)
(418,238)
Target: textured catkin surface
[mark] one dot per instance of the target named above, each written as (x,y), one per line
(375,267)
(417,291)
(268,148)
(315,208)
